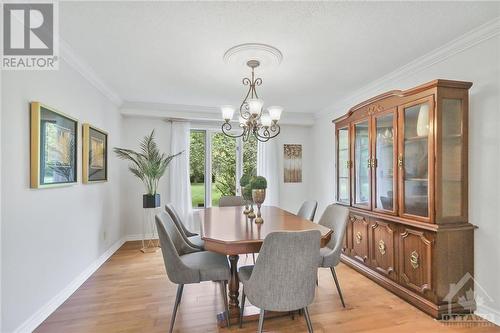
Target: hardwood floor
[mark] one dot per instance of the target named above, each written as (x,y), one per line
(131,293)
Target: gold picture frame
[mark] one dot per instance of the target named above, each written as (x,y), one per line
(53,147)
(94,154)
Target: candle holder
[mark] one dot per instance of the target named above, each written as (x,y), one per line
(251,213)
(259,195)
(247,208)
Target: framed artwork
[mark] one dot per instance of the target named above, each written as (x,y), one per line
(94,155)
(292,163)
(53,147)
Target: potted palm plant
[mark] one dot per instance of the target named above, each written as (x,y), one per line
(149,165)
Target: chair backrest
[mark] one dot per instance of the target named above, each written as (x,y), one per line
(308,210)
(181,246)
(284,276)
(335,217)
(172,247)
(231,201)
(177,220)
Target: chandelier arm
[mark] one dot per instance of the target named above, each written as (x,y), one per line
(226,127)
(261,138)
(266,133)
(254,92)
(245,114)
(276,126)
(265,136)
(255,132)
(247,134)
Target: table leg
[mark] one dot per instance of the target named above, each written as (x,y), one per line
(234,286)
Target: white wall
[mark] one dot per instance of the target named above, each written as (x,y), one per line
(134,129)
(51,236)
(292,195)
(481,65)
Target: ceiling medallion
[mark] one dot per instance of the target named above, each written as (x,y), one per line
(252,120)
(267,55)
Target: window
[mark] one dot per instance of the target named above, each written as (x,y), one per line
(197,168)
(225,159)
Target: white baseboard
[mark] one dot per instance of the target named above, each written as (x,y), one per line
(46,310)
(488,313)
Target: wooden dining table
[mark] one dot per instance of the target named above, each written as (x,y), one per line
(228,231)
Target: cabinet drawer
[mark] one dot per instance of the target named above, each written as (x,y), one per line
(415,259)
(382,248)
(359,239)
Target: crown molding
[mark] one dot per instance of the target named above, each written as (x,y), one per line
(198,113)
(167,107)
(468,40)
(76,62)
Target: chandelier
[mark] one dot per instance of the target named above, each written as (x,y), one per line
(252,119)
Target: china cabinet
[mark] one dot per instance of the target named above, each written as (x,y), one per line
(401,168)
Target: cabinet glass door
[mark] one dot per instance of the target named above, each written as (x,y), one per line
(384,163)
(361,170)
(453,169)
(343,166)
(415,159)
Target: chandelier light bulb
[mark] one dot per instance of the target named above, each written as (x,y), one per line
(255,106)
(227,112)
(275,112)
(265,120)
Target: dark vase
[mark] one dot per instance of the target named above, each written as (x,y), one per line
(150,200)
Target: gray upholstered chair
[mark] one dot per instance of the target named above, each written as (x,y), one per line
(185,265)
(335,217)
(231,201)
(193,239)
(308,210)
(284,274)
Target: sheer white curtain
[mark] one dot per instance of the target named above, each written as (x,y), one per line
(180,185)
(268,166)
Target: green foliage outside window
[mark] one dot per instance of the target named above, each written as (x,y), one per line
(223,165)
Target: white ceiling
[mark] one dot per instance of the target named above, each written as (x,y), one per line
(171,52)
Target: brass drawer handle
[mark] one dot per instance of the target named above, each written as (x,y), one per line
(359,237)
(381,247)
(414,260)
